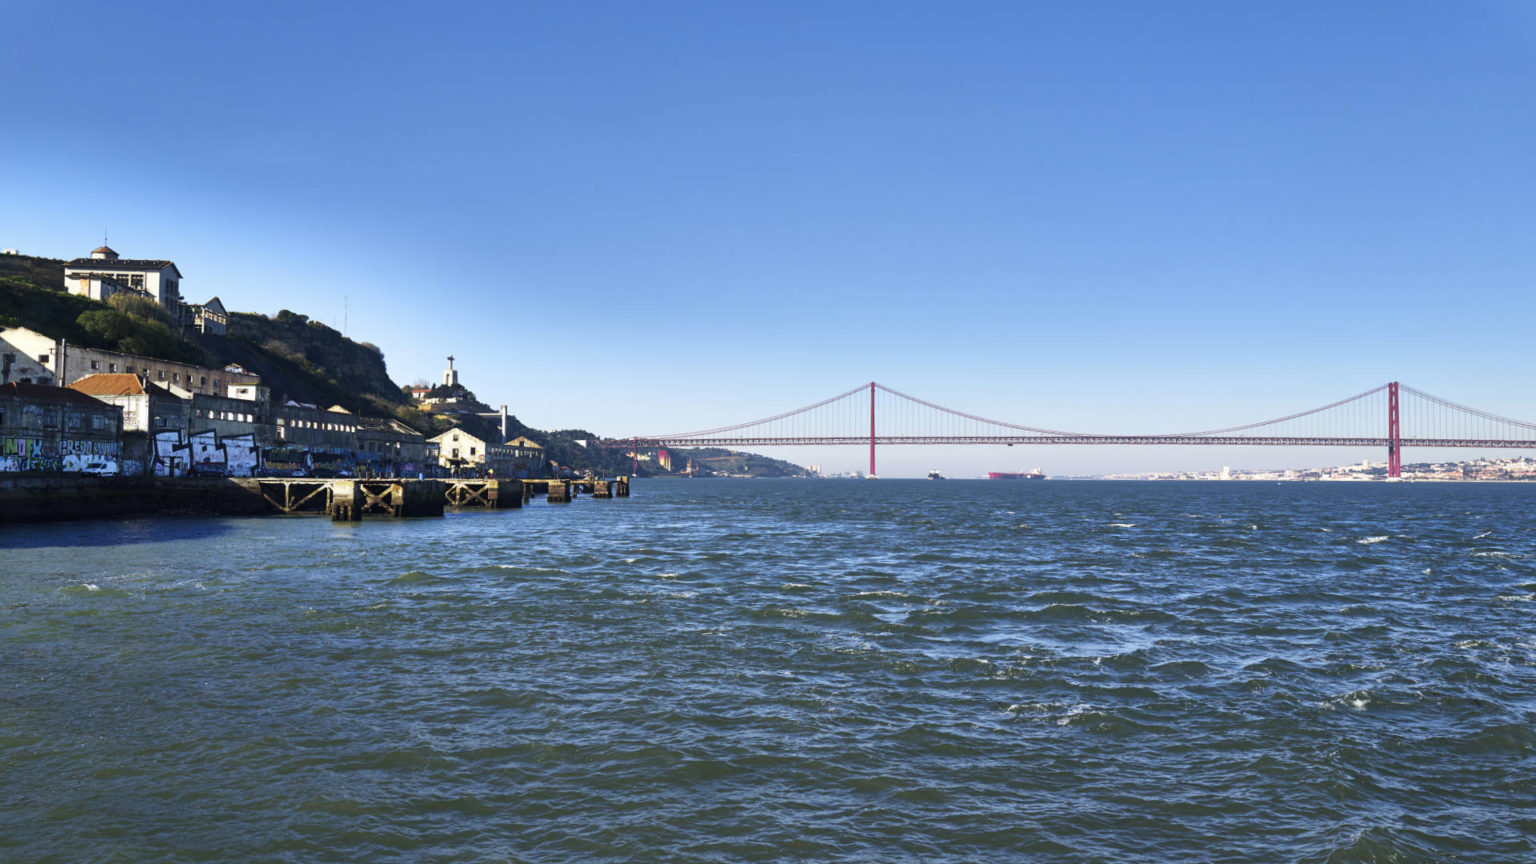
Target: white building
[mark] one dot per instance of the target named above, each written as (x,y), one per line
(210,317)
(27,356)
(104,274)
(47,361)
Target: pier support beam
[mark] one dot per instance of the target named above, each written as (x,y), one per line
(345,505)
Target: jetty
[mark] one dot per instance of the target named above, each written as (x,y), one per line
(46,498)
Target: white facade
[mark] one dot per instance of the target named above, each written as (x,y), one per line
(53,362)
(27,356)
(105,273)
(210,317)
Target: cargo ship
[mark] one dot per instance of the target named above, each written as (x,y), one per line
(1015,475)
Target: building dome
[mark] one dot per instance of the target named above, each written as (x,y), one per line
(104,252)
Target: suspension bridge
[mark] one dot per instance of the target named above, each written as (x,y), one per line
(1393,416)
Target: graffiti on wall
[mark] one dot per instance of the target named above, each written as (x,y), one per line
(40,454)
(235,455)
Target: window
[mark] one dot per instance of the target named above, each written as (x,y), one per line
(176,376)
(203,381)
(111,367)
(43,359)
(95,364)
(129,370)
(162,374)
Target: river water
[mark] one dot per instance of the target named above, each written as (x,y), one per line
(743,671)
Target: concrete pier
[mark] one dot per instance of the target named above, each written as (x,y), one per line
(347,500)
(55,497)
(487,494)
(559,491)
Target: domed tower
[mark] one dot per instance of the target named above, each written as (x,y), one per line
(104,253)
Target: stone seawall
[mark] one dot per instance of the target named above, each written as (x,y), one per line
(55,498)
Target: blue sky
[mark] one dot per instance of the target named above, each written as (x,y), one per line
(632,218)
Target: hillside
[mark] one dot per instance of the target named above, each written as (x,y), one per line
(32,296)
(299,359)
(734,463)
(305,361)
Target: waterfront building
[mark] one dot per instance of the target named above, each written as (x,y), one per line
(461,452)
(324,438)
(146,407)
(45,428)
(106,273)
(229,417)
(170,429)
(52,361)
(527,456)
(154,421)
(390,447)
(79,362)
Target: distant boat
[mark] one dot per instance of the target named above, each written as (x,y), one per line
(1015,475)
(935,475)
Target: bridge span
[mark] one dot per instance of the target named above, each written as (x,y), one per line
(1393,416)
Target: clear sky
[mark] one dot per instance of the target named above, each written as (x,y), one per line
(650,217)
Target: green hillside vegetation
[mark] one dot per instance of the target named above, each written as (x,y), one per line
(32,296)
(45,273)
(307,361)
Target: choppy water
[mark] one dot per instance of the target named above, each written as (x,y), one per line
(801,671)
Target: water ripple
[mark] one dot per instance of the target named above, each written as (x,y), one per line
(731,671)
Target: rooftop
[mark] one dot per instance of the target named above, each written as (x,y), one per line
(117,384)
(48,394)
(106,264)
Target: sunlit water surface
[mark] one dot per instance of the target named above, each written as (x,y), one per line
(721,671)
